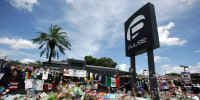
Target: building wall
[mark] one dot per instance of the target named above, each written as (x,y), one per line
(195,78)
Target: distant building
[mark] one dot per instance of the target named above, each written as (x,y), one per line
(2,61)
(195,77)
(81,65)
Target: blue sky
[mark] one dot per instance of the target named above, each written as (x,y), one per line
(96,28)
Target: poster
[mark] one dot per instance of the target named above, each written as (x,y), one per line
(1,75)
(74,73)
(39,85)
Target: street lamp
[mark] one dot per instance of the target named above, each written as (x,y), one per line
(184,67)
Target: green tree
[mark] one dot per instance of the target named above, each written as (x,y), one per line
(90,60)
(64,60)
(107,62)
(53,42)
(103,61)
(15,62)
(174,74)
(39,63)
(139,75)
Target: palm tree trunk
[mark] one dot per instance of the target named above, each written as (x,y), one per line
(51,53)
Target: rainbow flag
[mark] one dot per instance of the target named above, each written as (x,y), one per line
(25,67)
(103,94)
(25,75)
(2,89)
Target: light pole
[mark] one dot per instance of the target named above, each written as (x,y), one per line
(143,72)
(184,67)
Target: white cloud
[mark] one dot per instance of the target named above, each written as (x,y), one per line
(101,24)
(83,47)
(164,38)
(24,4)
(165,10)
(197,51)
(190,2)
(177,69)
(9,52)
(141,72)
(69,1)
(27,60)
(18,55)
(195,69)
(171,69)
(124,67)
(159,59)
(18,43)
(96,25)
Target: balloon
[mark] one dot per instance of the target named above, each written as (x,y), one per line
(141,89)
(85,79)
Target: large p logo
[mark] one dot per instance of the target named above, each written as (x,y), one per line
(134,27)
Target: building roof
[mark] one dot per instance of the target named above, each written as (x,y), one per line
(56,62)
(100,67)
(105,70)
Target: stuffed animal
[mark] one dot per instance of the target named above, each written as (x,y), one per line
(65,94)
(90,96)
(60,89)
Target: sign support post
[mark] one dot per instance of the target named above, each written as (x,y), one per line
(133,73)
(152,75)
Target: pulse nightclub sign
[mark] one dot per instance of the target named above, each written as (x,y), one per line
(141,31)
(141,36)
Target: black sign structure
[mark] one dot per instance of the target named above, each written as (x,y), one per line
(141,31)
(141,36)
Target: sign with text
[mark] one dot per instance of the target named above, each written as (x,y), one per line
(74,73)
(141,31)
(185,76)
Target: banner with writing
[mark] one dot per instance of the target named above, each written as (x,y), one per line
(74,73)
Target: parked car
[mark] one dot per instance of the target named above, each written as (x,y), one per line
(189,88)
(196,88)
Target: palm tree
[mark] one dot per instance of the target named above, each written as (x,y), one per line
(53,42)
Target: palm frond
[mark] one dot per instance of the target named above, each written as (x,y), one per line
(65,43)
(61,49)
(62,34)
(57,55)
(35,40)
(54,54)
(47,55)
(42,52)
(41,46)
